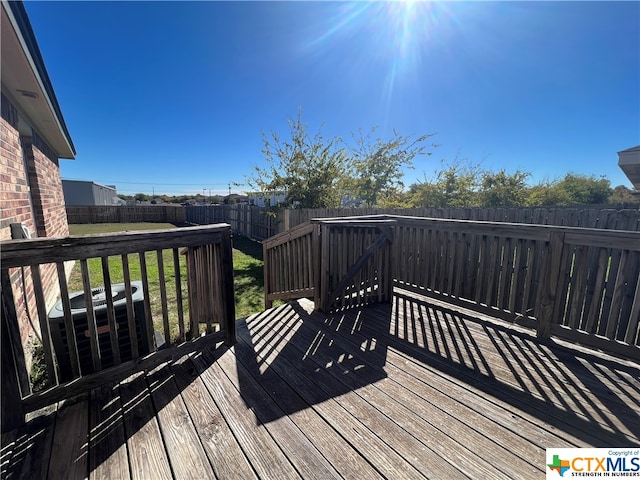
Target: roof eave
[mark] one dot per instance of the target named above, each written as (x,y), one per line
(58,138)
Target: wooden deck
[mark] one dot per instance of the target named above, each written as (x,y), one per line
(410,390)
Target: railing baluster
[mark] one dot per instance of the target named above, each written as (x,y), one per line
(91,317)
(148,318)
(68,320)
(133,331)
(193,292)
(163,297)
(179,302)
(111,317)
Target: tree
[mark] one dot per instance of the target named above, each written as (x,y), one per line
(582,189)
(573,189)
(500,189)
(309,169)
(454,185)
(622,194)
(377,165)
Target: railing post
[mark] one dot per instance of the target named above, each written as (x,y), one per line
(316,247)
(266,272)
(388,268)
(549,284)
(323,284)
(228,290)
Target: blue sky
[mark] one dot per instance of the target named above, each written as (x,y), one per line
(173,97)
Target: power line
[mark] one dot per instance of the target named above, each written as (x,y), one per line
(162,184)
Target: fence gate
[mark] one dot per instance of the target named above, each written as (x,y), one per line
(355,263)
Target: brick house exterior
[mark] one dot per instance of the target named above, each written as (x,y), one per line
(33,137)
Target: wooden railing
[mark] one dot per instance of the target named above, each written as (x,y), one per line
(577,283)
(292,270)
(113,329)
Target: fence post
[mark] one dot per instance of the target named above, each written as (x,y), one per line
(549,284)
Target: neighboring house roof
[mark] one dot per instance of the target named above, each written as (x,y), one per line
(632,149)
(629,163)
(26,81)
(89,182)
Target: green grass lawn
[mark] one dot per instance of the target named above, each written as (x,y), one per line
(247,271)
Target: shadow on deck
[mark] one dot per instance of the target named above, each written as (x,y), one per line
(410,390)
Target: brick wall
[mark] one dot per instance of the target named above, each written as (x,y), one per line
(30,192)
(46,188)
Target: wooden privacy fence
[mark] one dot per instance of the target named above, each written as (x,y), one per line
(248,220)
(108,330)
(122,214)
(587,217)
(576,283)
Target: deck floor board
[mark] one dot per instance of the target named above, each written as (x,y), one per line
(414,389)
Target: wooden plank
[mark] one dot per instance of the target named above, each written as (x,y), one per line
(223,451)
(618,292)
(632,334)
(549,289)
(68,321)
(227,290)
(91,317)
(7,446)
(491,272)
(131,320)
(71,441)
(515,293)
(147,454)
(88,382)
(324,273)
(578,288)
(263,453)
(12,411)
(544,408)
(32,450)
(418,412)
(107,447)
(186,455)
(52,250)
(321,373)
(343,456)
(346,422)
(596,303)
(302,453)
(111,317)
(357,266)
(148,319)
(179,300)
(483,251)
(43,321)
(267,275)
(163,297)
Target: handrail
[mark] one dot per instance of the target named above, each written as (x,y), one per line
(195,274)
(578,283)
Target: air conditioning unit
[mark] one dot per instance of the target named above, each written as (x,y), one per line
(79,315)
